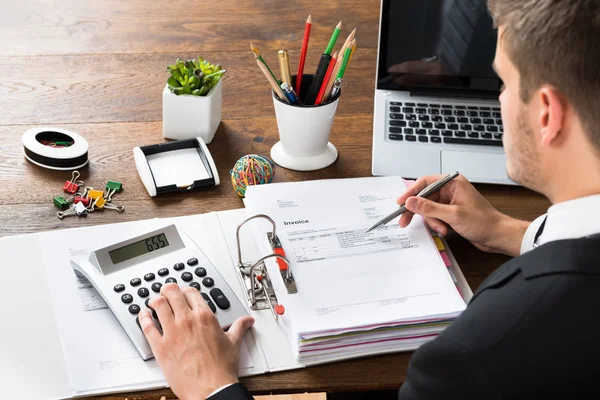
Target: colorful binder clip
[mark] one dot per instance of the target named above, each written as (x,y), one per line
(72,186)
(112,187)
(60,202)
(78,209)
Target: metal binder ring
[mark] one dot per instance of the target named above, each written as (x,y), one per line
(259,261)
(237,233)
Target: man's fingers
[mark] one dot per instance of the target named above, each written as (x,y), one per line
(419,185)
(437,225)
(177,301)
(405,219)
(160,304)
(238,329)
(431,209)
(148,327)
(193,298)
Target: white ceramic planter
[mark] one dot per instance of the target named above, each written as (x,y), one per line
(187,116)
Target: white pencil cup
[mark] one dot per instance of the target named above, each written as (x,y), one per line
(304,133)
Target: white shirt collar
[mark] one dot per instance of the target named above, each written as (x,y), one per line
(572,219)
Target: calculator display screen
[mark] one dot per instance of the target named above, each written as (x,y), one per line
(139,248)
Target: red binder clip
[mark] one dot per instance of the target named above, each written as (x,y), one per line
(72,186)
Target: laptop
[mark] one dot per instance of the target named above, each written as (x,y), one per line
(436,101)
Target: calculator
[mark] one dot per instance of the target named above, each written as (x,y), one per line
(130,273)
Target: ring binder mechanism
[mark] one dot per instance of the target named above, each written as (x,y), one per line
(255,278)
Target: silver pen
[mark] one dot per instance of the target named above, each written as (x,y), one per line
(428,191)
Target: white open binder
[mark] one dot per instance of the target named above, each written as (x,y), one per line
(60,341)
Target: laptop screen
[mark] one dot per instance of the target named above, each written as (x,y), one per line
(437,44)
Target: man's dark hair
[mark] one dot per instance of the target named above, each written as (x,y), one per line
(556,42)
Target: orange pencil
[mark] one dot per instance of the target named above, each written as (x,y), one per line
(298,85)
(326,79)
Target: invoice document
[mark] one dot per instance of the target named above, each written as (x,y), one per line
(348,279)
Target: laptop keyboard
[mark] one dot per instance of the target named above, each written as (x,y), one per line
(445,123)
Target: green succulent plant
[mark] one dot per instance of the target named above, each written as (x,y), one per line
(196,77)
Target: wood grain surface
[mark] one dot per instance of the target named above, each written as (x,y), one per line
(98,68)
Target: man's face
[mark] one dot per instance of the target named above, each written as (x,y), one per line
(522,158)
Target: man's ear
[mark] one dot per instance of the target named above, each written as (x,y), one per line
(551,117)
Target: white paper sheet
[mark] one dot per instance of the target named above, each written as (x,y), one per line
(346,277)
(31,356)
(178,167)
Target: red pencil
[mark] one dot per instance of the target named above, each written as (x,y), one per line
(303,55)
(328,74)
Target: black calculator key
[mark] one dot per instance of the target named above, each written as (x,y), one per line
(219,298)
(178,266)
(135,282)
(146,303)
(209,302)
(208,282)
(186,276)
(201,272)
(156,287)
(436,139)
(195,285)
(119,287)
(395,136)
(137,321)
(134,309)
(163,272)
(127,298)
(171,280)
(192,261)
(143,292)
(149,277)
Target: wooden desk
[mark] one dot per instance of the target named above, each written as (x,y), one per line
(98,68)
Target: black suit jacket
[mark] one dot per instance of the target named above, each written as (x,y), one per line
(528,332)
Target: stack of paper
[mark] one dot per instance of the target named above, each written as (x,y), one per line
(358,293)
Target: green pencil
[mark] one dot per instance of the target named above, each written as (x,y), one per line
(344,63)
(262,60)
(334,36)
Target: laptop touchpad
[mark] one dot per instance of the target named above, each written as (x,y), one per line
(474,165)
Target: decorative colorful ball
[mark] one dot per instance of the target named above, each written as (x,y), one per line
(251,169)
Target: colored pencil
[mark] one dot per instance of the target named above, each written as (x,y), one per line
(284,66)
(272,81)
(344,63)
(330,69)
(303,54)
(260,59)
(339,64)
(353,48)
(334,36)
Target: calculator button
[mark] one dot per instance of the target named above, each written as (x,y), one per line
(156,287)
(201,272)
(134,309)
(209,302)
(119,287)
(127,298)
(146,303)
(171,280)
(195,285)
(178,266)
(149,277)
(219,298)
(192,261)
(186,276)
(143,292)
(137,321)
(163,272)
(208,282)
(135,281)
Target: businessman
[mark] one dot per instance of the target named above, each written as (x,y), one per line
(528,330)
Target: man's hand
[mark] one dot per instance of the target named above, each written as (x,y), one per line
(459,206)
(196,356)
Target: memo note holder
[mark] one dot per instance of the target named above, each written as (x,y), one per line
(304,132)
(254,277)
